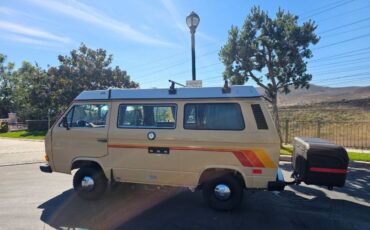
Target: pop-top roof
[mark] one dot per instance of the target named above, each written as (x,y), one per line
(180,93)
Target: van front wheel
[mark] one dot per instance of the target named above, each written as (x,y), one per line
(223,193)
(89,183)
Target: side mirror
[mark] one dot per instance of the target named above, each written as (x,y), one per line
(65,123)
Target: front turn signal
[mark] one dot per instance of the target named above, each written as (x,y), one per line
(46,157)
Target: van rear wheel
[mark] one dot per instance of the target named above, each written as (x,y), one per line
(223,193)
(90,183)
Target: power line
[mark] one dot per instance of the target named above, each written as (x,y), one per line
(345,13)
(335,5)
(343,70)
(347,31)
(346,76)
(366,79)
(341,66)
(358,60)
(322,7)
(338,77)
(344,41)
(172,56)
(172,66)
(215,51)
(187,71)
(213,64)
(183,72)
(347,40)
(352,76)
(344,54)
(345,25)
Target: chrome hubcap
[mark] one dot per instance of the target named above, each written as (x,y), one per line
(222,192)
(87,183)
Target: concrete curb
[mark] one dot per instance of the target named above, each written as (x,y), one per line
(23,163)
(285,158)
(21,139)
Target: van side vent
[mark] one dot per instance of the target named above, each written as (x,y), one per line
(259,117)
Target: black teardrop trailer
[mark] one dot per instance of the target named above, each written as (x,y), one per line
(318,162)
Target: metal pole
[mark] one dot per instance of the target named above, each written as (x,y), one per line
(193,54)
(318,131)
(286,131)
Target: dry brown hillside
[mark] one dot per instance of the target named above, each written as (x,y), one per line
(318,94)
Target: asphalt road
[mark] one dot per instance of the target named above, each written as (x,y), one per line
(30,199)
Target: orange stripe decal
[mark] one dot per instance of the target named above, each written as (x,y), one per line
(264,157)
(248,158)
(253,158)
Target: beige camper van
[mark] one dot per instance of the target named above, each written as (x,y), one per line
(219,140)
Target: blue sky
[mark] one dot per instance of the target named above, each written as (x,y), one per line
(150,39)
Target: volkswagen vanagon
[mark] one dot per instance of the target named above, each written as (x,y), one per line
(220,140)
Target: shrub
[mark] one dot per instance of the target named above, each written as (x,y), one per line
(4,128)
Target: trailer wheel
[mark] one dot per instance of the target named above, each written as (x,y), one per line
(223,193)
(90,183)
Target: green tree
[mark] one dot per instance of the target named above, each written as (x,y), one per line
(84,69)
(31,92)
(6,87)
(271,52)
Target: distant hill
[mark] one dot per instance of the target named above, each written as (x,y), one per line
(319,94)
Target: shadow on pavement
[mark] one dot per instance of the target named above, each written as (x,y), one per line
(357,182)
(144,207)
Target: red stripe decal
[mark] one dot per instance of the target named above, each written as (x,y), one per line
(243,160)
(328,170)
(253,158)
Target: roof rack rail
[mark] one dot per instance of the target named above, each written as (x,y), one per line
(172,89)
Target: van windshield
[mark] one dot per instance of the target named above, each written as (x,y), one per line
(88,116)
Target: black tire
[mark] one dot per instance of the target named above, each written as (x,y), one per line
(236,193)
(97,189)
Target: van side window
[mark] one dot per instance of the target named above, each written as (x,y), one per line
(259,117)
(88,116)
(213,116)
(147,116)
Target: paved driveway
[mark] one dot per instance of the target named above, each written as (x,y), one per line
(30,199)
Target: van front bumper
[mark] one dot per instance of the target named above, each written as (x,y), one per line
(46,169)
(277,185)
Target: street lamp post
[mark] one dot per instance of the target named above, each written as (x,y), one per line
(193,21)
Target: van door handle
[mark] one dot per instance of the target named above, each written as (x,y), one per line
(104,140)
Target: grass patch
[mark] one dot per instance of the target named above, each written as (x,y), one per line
(354,156)
(286,150)
(359,156)
(35,135)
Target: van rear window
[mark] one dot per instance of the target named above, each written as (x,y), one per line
(213,116)
(259,117)
(148,116)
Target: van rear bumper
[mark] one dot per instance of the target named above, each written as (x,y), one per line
(46,169)
(277,185)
